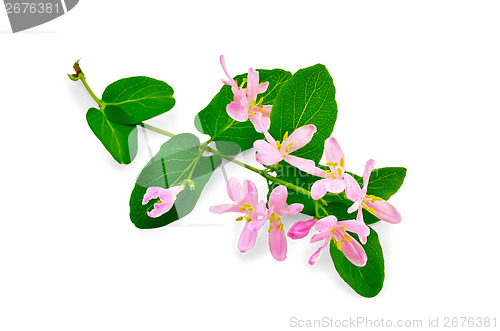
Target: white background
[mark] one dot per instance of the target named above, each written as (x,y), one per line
(417,86)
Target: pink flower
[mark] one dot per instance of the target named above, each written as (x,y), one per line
(333,181)
(245,103)
(330,229)
(166,199)
(301,229)
(272,152)
(245,200)
(375,205)
(276,208)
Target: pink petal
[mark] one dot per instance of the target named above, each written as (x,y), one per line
(151,193)
(384,211)
(354,252)
(277,198)
(256,225)
(251,195)
(237,111)
(301,229)
(262,87)
(355,206)
(315,256)
(355,226)
(234,190)
(224,208)
(318,190)
(252,84)
(160,209)
(303,164)
(267,154)
(370,164)
(333,152)
(170,195)
(260,209)
(300,137)
(293,209)
(352,189)
(335,185)
(176,189)
(258,122)
(326,234)
(247,239)
(326,223)
(277,243)
(267,111)
(231,80)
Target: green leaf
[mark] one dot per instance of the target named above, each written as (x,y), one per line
(307,98)
(368,280)
(136,99)
(233,136)
(120,140)
(179,159)
(385,182)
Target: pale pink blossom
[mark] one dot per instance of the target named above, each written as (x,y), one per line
(330,229)
(166,199)
(333,178)
(245,105)
(277,208)
(271,152)
(375,205)
(245,200)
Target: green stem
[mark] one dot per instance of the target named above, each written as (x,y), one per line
(263,173)
(241,164)
(92,94)
(157,130)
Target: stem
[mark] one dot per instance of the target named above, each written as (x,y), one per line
(260,172)
(232,159)
(157,130)
(263,173)
(92,94)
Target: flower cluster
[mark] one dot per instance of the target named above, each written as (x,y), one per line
(256,213)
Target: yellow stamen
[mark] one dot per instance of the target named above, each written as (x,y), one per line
(338,246)
(348,238)
(285,137)
(270,229)
(240,218)
(248,218)
(341,162)
(339,171)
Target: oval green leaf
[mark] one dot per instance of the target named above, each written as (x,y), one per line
(120,140)
(307,98)
(136,99)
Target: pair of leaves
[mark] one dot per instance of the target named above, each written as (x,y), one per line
(232,136)
(125,104)
(179,159)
